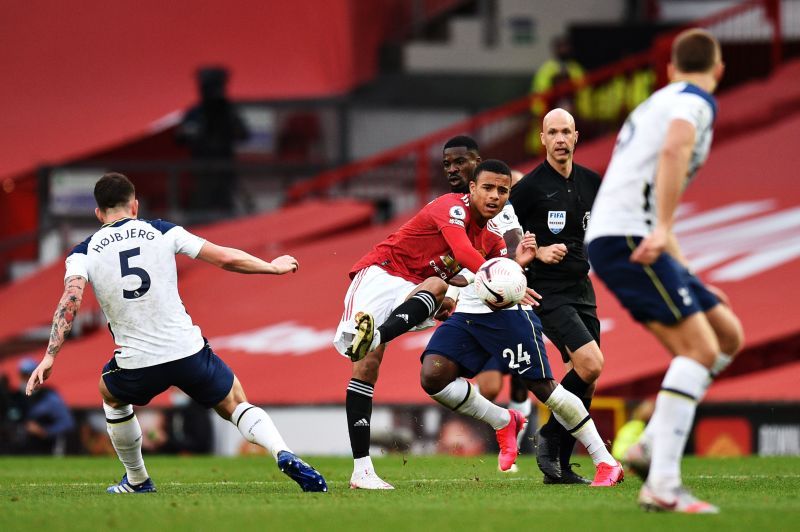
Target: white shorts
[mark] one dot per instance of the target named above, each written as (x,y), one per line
(377,292)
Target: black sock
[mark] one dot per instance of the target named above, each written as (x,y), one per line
(359,414)
(411,313)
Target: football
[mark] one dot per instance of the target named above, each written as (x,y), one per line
(500,283)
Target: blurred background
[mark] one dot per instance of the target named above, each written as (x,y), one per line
(315,128)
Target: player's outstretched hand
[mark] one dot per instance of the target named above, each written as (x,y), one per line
(526,249)
(445,309)
(552,254)
(285,264)
(531,297)
(651,247)
(40,374)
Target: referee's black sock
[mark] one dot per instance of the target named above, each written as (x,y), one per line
(358,406)
(408,315)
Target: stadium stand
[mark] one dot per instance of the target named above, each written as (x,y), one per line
(32,297)
(739,223)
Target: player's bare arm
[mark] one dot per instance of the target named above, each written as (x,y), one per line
(512,239)
(64,317)
(526,249)
(526,252)
(236,260)
(673,166)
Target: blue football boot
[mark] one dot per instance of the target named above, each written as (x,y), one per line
(306,476)
(126,487)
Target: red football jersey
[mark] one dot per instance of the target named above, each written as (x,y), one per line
(418,250)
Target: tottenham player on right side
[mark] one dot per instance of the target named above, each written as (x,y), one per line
(633,249)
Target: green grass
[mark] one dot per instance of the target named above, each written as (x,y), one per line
(433,493)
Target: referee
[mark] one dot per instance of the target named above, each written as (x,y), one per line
(554,201)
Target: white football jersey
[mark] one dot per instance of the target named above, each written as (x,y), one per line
(131,265)
(626,202)
(468,300)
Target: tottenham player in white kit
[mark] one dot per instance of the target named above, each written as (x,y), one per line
(633,249)
(131,265)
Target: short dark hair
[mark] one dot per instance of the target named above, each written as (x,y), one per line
(113,190)
(695,50)
(491,165)
(462,141)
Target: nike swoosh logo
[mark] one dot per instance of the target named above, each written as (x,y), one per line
(523,371)
(548,196)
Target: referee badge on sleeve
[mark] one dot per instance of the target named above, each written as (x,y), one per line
(556,220)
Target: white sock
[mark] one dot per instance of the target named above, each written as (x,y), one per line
(257,427)
(573,416)
(682,387)
(721,363)
(463,398)
(363,464)
(523,408)
(126,437)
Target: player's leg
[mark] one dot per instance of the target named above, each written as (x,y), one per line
(253,422)
(373,293)
(661,296)
(257,427)
(419,305)
(489,383)
(694,346)
(126,437)
(207,379)
(358,407)
(454,351)
(440,378)
(570,412)
(520,400)
(730,335)
(576,338)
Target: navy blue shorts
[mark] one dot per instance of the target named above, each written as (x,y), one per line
(665,291)
(495,364)
(203,376)
(512,337)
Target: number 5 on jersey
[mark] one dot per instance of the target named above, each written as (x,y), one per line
(515,359)
(126,269)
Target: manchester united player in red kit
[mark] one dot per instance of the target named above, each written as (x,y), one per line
(398,286)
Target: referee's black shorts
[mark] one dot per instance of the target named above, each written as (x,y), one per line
(568,312)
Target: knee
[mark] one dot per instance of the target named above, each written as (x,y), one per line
(432,383)
(436,286)
(589,368)
(367,369)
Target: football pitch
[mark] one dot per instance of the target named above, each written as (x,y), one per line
(433,493)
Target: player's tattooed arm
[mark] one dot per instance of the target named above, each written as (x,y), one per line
(66,312)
